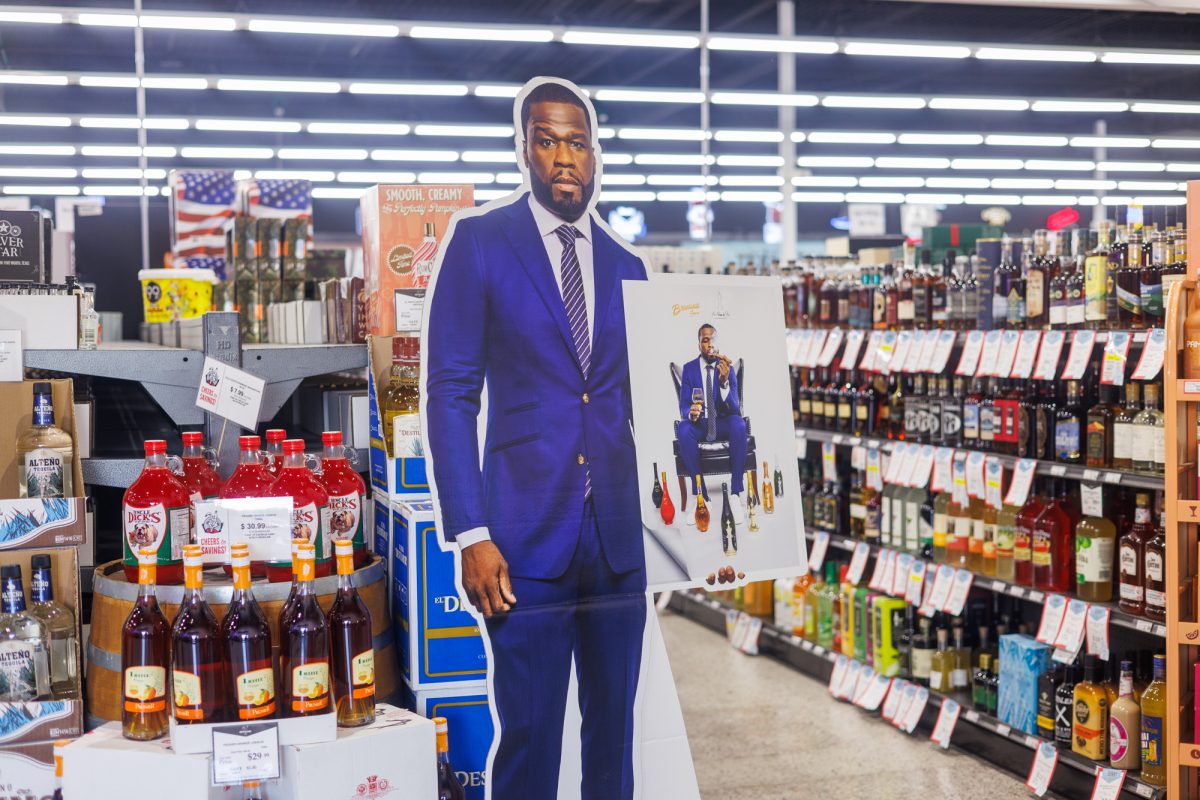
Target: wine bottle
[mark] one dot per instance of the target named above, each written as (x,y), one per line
(768,492)
(144,658)
(304,660)
(728,529)
(702,515)
(657,493)
(251,676)
(197,667)
(352,648)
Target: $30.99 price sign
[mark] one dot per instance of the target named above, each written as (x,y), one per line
(245,753)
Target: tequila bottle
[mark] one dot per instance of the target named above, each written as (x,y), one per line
(45,452)
(60,627)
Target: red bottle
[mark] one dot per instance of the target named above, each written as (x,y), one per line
(157,516)
(275,438)
(310,510)
(1053,548)
(199,476)
(347,495)
(250,478)
(666,508)
(1023,536)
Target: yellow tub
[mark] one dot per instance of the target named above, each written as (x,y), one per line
(171,294)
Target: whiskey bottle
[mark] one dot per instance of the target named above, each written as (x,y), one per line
(905,311)
(401,398)
(448,786)
(61,629)
(728,530)
(1130,314)
(1095,268)
(1090,728)
(1131,555)
(1123,428)
(1075,282)
(1151,287)
(247,636)
(197,665)
(702,515)
(1174,262)
(1068,427)
(939,308)
(1099,447)
(45,452)
(145,639)
(920,291)
(304,651)
(1058,283)
(353,653)
(1116,262)
(1155,571)
(1037,282)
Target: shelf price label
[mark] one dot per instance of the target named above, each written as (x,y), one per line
(1097,631)
(941,353)
(968,361)
(832,343)
(1108,783)
(263,523)
(906,699)
(1052,618)
(1116,353)
(874,477)
(1070,634)
(1045,759)
(876,582)
(745,633)
(858,562)
(883,354)
(928,353)
(876,690)
(975,480)
(793,340)
(815,346)
(942,461)
(891,703)
(887,578)
(854,340)
(845,688)
(994,481)
(992,342)
(869,354)
(230,393)
(959,591)
(900,353)
(1022,480)
(903,571)
(840,665)
(943,729)
(1150,364)
(245,753)
(866,676)
(1047,360)
(829,460)
(1009,343)
(1079,356)
(916,582)
(1026,354)
(912,715)
(943,578)
(816,556)
(920,476)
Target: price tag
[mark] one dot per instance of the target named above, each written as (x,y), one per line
(1003,730)
(830,349)
(920,474)
(903,571)
(664,600)
(942,460)
(943,577)
(958,486)
(230,393)
(1052,618)
(749,642)
(888,576)
(12,359)
(943,729)
(1045,759)
(912,715)
(1116,353)
(840,665)
(845,689)
(875,583)
(858,562)
(1009,343)
(264,523)
(1150,364)
(792,341)
(1022,481)
(829,460)
(968,361)
(992,342)
(1047,361)
(1058,470)
(866,676)
(1108,783)
(876,691)
(900,354)
(815,346)
(916,582)
(891,703)
(1070,635)
(1097,631)
(854,340)
(906,700)
(912,465)
(870,353)
(959,591)
(941,353)
(1026,354)
(816,556)
(883,353)
(975,480)
(245,753)
(1091,499)
(994,477)
(912,361)
(928,355)
(1079,356)
(874,478)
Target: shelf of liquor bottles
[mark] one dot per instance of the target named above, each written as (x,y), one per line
(978,733)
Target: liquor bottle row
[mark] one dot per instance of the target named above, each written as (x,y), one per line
(1096,541)
(40,641)
(217,672)
(1072,422)
(731,516)
(160,505)
(1110,715)
(1113,277)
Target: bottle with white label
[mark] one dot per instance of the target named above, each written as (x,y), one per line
(1156,573)
(310,511)
(1095,542)
(61,630)
(1149,443)
(24,643)
(347,494)
(1122,453)
(1132,558)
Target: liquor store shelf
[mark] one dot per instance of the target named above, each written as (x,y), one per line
(1135,336)
(1115,616)
(983,735)
(1113,477)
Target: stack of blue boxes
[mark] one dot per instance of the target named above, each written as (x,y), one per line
(440,650)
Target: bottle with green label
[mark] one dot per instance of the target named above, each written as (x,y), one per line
(1095,543)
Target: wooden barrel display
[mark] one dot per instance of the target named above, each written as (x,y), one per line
(114,597)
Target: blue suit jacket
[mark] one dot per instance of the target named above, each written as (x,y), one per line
(693,378)
(497,319)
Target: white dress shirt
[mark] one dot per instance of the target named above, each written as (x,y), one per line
(547,222)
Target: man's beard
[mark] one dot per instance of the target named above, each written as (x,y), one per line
(569,210)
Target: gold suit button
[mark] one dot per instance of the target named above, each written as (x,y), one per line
(585,398)
(581,459)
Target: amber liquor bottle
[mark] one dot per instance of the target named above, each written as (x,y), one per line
(352,647)
(1129,285)
(144,659)
(1042,268)
(197,665)
(304,654)
(251,676)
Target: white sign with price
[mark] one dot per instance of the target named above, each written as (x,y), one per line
(943,729)
(969,360)
(816,556)
(264,523)
(1042,770)
(854,340)
(12,362)
(1108,784)
(858,562)
(1151,362)
(231,393)
(1097,631)
(1079,356)
(1048,353)
(1052,618)
(245,753)
(1070,635)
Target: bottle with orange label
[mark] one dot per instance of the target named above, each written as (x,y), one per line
(156,515)
(310,509)
(144,658)
(347,495)
(251,676)
(197,665)
(352,646)
(291,598)
(304,650)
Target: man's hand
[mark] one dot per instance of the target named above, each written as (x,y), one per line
(723,370)
(485,579)
(694,414)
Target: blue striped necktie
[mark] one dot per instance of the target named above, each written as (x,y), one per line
(576,307)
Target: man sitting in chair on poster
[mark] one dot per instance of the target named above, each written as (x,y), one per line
(708,402)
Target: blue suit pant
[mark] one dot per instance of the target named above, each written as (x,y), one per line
(691,434)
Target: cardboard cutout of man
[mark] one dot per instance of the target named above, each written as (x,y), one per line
(527,301)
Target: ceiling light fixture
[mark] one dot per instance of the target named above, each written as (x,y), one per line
(626,39)
(771,44)
(498,34)
(65,191)
(411,89)
(835,161)
(273,85)
(749,136)
(361,128)
(818,197)
(108,81)
(1131,166)
(463,130)
(764,99)
(647,96)
(851,137)
(824,180)
(897,162)
(36,121)
(1020,140)
(227,152)
(323,28)
(108,20)
(254,125)
(977,104)
(164,82)
(1033,54)
(1135,57)
(1109,141)
(324,153)
(872,101)
(414,155)
(188,23)
(28,79)
(1084,106)
(905,50)
(456,177)
(376,177)
(749,161)
(1054,165)
(987,163)
(940,138)
(35,17)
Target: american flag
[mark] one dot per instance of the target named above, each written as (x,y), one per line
(204,202)
(281,199)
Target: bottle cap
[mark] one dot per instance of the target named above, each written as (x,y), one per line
(276,435)
(440,724)
(292,446)
(240,558)
(306,550)
(238,547)
(343,547)
(156,447)
(10,571)
(331,438)
(193,438)
(296,544)
(41,387)
(40,561)
(145,556)
(249,442)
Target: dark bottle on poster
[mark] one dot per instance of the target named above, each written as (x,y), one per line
(728,530)
(778,480)
(657,493)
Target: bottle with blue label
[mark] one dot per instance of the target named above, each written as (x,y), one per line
(1068,427)
(24,666)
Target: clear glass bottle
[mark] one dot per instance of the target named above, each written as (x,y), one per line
(60,626)
(24,643)
(1123,430)
(941,666)
(45,452)
(145,657)
(400,400)
(89,320)
(352,648)
(1069,424)
(1149,432)
(275,439)
(197,663)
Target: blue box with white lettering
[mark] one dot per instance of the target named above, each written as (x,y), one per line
(438,638)
(392,476)
(381,537)
(1022,660)
(469,725)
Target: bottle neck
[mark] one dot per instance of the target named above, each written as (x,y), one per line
(249,457)
(41,588)
(43,411)
(293,460)
(147,585)
(13,599)
(193,451)
(336,452)
(156,461)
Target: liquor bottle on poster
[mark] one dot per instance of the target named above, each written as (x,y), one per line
(656,494)
(197,664)
(752,502)
(250,678)
(666,508)
(144,658)
(768,492)
(728,529)
(347,495)
(351,646)
(778,475)
(702,515)
(304,645)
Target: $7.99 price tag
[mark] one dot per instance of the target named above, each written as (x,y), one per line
(245,753)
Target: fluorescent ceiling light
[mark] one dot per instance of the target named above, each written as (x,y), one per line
(678,196)
(897,162)
(274,85)
(413,89)
(1183,167)
(957,183)
(42,190)
(1049,200)
(324,153)
(510,178)
(624,180)
(1034,54)
(376,177)
(851,137)
(1134,57)
(605,133)
(835,161)
(489,156)
(627,197)
(874,197)
(1131,166)
(905,50)
(1109,141)
(108,122)
(37,17)
(159,151)
(38,172)
(463,130)
(1160,201)
(749,161)
(188,23)
(163,82)
(1019,140)
(456,177)
(797,136)
(977,104)
(361,128)
(335,193)
(872,101)
(940,138)
(877,182)
(32,80)
(751,197)
(1022,183)
(1088,200)
(1053,165)
(110,150)
(671,159)
(323,28)
(497,90)
(122,173)
(319,175)
(992,200)
(764,99)
(986,163)
(483,195)
(165,123)
(1087,106)
(39,121)
(108,20)
(616,159)
(1117,200)
(258,125)
(1176,144)
(647,96)
(818,197)
(933,199)
(414,155)
(109,81)
(1148,186)
(120,191)
(679,180)
(748,136)
(824,180)
(662,134)
(746,180)
(227,152)
(1087,184)
(625,39)
(498,34)
(771,44)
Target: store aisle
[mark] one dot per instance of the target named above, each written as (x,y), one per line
(760,731)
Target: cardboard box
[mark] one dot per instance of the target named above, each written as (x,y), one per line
(438,639)
(46,322)
(401,229)
(106,766)
(381,542)
(27,771)
(960,238)
(394,476)
(469,723)
(1022,660)
(292,730)
(393,757)
(38,522)
(23,255)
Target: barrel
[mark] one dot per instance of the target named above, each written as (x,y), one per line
(114,597)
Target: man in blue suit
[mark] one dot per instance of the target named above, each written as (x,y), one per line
(528,303)
(717,415)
